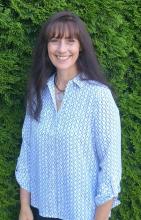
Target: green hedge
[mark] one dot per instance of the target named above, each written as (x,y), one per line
(115,27)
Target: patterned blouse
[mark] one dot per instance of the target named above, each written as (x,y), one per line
(70,160)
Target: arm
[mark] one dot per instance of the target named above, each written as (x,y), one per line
(108,147)
(24,198)
(103,211)
(22,172)
(22,168)
(25,211)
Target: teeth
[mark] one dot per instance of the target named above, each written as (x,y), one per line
(62,57)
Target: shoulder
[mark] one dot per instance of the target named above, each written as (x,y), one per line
(100,95)
(97,89)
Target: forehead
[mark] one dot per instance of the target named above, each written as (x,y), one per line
(60,29)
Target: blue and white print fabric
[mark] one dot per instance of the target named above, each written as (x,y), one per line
(70,160)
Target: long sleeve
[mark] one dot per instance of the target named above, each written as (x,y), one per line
(22,168)
(108,148)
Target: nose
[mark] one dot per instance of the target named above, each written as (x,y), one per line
(62,47)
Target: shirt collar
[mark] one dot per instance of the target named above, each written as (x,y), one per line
(78,80)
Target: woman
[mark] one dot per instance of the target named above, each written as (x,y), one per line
(69,166)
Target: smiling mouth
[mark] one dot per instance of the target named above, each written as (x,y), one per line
(63,58)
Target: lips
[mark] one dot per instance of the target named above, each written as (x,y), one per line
(63,58)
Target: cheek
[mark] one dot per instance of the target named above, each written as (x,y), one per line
(76,50)
(76,53)
(50,50)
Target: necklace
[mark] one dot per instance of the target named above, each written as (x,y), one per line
(59,92)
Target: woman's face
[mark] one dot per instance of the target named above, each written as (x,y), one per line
(63,53)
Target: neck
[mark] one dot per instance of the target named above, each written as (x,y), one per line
(62,78)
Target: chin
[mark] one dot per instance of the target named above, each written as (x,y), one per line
(61,67)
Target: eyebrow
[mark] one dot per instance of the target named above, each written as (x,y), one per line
(69,37)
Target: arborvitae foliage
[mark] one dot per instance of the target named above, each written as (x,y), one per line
(115,27)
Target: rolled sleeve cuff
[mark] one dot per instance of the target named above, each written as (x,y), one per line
(22,177)
(106,193)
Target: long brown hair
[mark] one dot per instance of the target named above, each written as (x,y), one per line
(42,68)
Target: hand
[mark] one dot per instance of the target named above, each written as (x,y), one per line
(26,213)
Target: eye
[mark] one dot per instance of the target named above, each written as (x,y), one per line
(53,40)
(71,40)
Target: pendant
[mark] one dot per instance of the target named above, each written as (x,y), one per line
(59,96)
